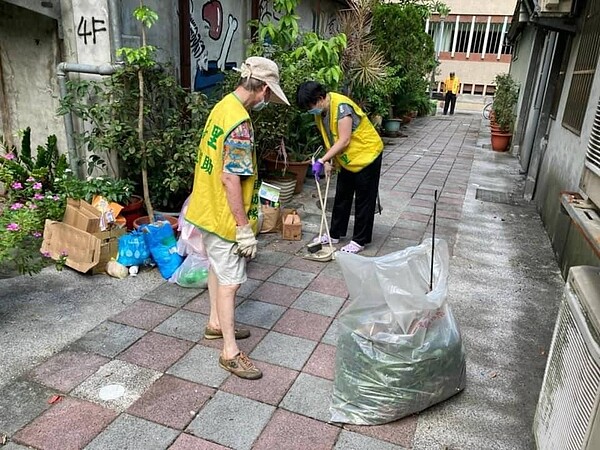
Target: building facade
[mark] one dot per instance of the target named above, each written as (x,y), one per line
(471,41)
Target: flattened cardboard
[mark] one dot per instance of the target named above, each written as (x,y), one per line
(83,249)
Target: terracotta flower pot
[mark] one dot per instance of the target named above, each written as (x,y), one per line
(500,141)
(145,220)
(133,210)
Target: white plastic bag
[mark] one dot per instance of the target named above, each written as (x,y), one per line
(190,237)
(399,348)
(192,273)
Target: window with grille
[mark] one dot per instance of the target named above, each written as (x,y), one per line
(583,73)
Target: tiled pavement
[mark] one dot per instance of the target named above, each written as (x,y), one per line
(146,379)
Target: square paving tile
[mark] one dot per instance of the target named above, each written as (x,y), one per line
(259,314)
(69,425)
(172,294)
(333,270)
(129,432)
(318,303)
(303,324)
(245,345)
(292,277)
(259,271)
(284,350)
(231,420)
(322,362)
(116,385)
(309,396)
(305,265)
(331,337)
(184,325)
(156,351)
(12,446)
(276,293)
(109,339)
(189,442)
(66,370)
(290,431)
(171,402)
(248,287)
(272,257)
(269,389)
(20,402)
(200,365)
(145,315)
(329,285)
(354,441)
(400,432)
(201,304)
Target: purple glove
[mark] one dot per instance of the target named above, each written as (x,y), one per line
(318,169)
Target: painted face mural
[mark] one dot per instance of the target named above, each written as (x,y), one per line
(210,47)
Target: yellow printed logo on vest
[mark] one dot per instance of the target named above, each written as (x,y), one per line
(216,132)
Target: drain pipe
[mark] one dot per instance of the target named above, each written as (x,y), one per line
(61,73)
(104,69)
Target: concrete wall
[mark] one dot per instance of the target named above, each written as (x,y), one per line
(561,170)
(29,53)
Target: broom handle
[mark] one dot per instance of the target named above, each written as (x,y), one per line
(323,210)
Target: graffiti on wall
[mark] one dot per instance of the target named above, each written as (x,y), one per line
(211,40)
(84,31)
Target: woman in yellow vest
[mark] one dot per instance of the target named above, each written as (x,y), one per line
(224,202)
(355,146)
(451,88)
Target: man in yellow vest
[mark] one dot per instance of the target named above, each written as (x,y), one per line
(353,143)
(224,202)
(451,88)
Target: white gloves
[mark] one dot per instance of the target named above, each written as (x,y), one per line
(246,241)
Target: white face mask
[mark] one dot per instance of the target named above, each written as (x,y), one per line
(260,105)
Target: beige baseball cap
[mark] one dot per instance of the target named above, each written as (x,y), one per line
(264,69)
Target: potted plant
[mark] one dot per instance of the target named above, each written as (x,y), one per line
(505,102)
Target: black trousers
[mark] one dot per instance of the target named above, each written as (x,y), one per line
(450,101)
(363,185)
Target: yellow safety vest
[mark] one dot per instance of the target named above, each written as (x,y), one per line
(208,208)
(452,85)
(365,144)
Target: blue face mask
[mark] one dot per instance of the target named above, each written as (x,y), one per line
(260,105)
(315,111)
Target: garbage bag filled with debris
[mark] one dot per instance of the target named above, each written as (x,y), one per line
(399,348)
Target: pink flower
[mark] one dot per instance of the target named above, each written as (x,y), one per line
(30,179)
(46,254)
(16,185)
(37,234)
(55,198)
(64,253)
(9,156)
(38,197)
(13,227)
(33,206)
(16,206)
(37,186)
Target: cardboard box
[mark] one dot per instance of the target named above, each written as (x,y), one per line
(86,252)
(81,215)
(292,226)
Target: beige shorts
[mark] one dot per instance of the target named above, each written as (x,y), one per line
(227,266)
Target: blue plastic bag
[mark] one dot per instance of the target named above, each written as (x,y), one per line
(133,250)
(162,244)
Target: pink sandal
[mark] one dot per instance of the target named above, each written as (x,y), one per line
(325,240)
(352,247)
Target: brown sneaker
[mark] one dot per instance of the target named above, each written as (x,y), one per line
(241,333)
(241,366)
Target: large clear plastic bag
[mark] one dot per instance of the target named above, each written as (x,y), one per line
(190,237)
(399,348)
(192,273)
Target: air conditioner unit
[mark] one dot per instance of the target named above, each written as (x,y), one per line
(562,6)
(568,415)
(590,180)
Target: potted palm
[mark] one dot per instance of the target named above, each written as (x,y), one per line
(505,102)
